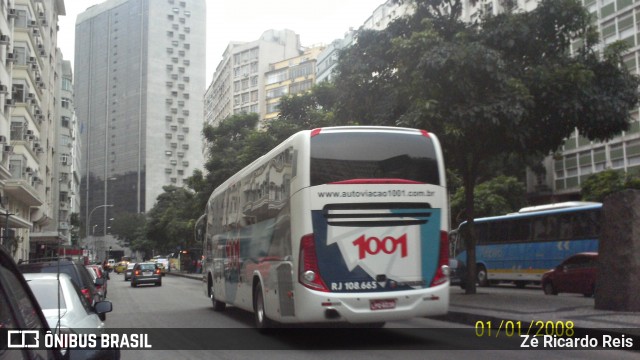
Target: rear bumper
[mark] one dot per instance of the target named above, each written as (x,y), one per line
(144,279)
(356,307)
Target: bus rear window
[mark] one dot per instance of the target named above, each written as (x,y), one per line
(373,155)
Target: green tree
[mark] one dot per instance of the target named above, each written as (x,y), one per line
(126,227)
(74,228)
(171,221)
(498,196)
(600,185)
(507,84)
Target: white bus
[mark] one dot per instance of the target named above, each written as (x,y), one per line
(339,224)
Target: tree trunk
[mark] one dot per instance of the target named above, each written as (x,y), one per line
(469,179)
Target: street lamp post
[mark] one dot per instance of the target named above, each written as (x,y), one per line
(89,219)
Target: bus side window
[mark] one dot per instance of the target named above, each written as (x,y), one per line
(520,230)
(539,228)
(565,227)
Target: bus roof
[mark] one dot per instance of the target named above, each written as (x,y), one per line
(561,205)
(542,210)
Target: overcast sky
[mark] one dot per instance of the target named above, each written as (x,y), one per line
(316,21)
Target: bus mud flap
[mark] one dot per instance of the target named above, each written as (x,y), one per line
(285,290)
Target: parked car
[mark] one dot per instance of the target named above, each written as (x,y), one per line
(144,273)
(78,273)
(576,274)
(96,273)
(129,271)
(19,309)
(70,312)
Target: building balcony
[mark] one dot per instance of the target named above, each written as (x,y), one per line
(22,191)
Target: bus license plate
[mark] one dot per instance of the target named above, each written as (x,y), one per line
(384,304)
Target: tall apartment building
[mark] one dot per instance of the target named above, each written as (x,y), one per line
(139,89)
(578,158)
(239,80)
(289,77)
(29,80)
(380,18)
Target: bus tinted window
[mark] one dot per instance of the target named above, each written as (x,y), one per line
(370,155)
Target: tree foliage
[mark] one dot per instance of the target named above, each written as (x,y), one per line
(171,221)
(507,84)
(498,196)
(599,186)
(129,229)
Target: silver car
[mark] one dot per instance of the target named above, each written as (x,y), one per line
(73,308)
(146,273)
(68,311)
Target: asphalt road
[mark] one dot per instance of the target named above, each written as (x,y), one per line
(181,306)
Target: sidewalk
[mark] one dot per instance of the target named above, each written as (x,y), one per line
(518,306)
(530,310)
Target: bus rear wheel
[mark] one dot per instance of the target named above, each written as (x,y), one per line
(261,320)
(217,304)
(482,276)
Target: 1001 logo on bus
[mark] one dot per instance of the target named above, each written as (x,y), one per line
(388,245)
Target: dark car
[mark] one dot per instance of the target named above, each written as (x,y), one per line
(78,273)
(576,274)
(145,273)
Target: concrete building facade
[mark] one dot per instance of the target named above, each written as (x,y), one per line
(238,83)
(29,79)
(289,77)
(139,99)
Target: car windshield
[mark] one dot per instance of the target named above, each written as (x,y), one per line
(147,266)
(130,266)
(47,294)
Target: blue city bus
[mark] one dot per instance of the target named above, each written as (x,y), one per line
(520,247)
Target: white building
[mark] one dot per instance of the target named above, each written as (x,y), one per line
(28,83)
(239,80)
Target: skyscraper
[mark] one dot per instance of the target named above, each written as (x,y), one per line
(139,85)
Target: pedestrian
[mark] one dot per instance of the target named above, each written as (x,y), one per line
(105,268)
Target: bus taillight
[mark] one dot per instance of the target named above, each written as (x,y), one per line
(308,271)
(442,272)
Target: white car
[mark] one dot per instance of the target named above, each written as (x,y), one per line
(68,311)
(72,307)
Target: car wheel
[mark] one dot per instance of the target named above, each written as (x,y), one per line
(549,289)
(159,283)
(102,317)
(261,320)
(133,284)
(591,293)
(481,276)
